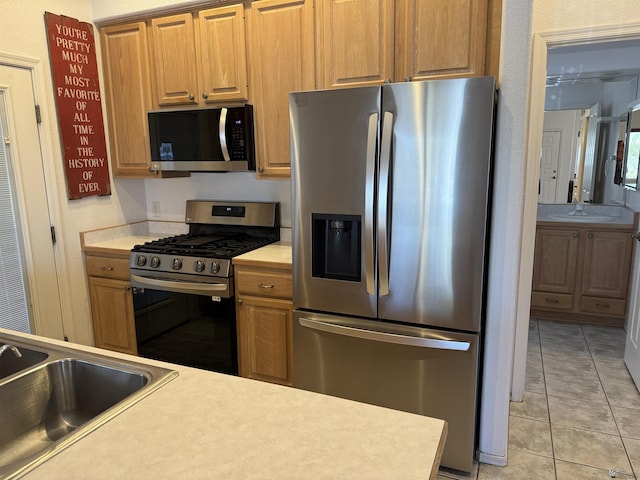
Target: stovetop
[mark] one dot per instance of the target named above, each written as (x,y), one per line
(207,246)
(218,231)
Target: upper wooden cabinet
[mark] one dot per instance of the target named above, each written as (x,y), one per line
(127,78)
(281,55)
(440,38)
(355,42)
(174,60)
(200,58)
(259,51)
(360,44)
(223,54)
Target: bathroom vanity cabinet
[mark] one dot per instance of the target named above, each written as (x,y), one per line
(581,272)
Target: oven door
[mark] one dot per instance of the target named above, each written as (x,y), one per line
(187,324)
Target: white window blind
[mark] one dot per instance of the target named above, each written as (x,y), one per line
(14,310)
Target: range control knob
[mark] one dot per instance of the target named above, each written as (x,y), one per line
(176,263)
(155,262)
(141,260)
(215,267)
(199,266)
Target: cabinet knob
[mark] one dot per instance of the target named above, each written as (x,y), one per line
(106,269)
(262,285)
(260,169)
(239,300)
(191,97)
(636,236)
(576,235)
(407,78)
(204,95)
(589,235)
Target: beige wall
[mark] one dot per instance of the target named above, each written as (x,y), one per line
(559,15)
(22,33)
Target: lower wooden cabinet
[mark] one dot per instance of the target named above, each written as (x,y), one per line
(581,273)
(111,303)
(264,322)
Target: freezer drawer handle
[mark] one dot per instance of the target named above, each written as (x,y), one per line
(441,344)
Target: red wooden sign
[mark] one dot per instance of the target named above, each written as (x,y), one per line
(79,104)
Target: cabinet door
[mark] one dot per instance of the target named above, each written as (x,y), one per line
(607,258)
(281,55)
(223,59)
(174,58)
(127,77)
(440,38)
(265,341)
(355,44)
(112,312)
(555,264)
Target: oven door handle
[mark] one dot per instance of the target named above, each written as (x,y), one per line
(181,286)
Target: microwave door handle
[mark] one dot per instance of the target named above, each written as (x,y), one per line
(378,336)
(383,202)
(372,137)
(222,134)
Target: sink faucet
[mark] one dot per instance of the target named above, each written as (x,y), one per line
(578,211)
(13,348)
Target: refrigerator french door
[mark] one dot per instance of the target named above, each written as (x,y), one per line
(390,190)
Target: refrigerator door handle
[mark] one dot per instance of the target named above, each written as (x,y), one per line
(425,342)
(383,202)
(372,137)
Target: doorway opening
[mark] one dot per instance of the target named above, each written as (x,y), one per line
(30,205)
(580,40)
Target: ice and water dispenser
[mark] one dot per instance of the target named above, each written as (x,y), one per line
(336,246)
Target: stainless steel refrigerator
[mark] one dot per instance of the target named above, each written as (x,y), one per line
(390,191)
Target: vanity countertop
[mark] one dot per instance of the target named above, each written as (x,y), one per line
(601,216)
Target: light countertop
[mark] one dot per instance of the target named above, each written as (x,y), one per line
(120,239)
(274,255)
(204,425)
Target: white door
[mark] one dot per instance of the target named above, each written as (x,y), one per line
(30,202)
(549,163)
(632,344)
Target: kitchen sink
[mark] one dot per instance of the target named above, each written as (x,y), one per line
(63,396)
(10,363)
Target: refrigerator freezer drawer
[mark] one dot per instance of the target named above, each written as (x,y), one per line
(414,369)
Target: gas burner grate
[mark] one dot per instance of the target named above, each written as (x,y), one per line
(206,246)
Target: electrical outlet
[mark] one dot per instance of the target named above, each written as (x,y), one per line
(155,209)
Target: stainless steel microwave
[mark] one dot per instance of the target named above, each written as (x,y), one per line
(203,140)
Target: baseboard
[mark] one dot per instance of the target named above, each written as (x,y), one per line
(497,460)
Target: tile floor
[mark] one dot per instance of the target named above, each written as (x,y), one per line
(581,411)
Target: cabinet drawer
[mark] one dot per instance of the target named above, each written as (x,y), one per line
(605,306)
(264,283)
(555,301)
(108,267)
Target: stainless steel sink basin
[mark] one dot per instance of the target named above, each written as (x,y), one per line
(10,363)
(63,397)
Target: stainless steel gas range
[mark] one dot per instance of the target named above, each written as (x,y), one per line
(183,285)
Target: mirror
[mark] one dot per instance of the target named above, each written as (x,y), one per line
(568,156)
(621,142)
(632,148)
